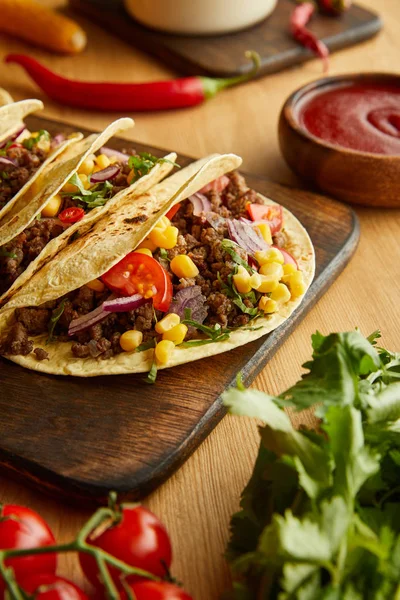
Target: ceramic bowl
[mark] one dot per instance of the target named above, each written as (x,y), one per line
(199,17)
(349,175)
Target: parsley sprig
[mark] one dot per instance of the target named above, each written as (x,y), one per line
(7,253)
(231,248)
(319,517)
(143,163)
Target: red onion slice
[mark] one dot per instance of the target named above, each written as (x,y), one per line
(124,304)
(110,153)
(57,140)
(7,161)
(81,323)
(105,174)
(190,297)
(246,236)
(216,221)
(200,203)
(12,137)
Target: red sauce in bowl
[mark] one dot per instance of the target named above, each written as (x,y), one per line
(360,116)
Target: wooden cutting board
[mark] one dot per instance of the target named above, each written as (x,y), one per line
(224,55)
(80,438)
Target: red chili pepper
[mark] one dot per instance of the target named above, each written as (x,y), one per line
(160,95)
(335,7)
(300,17)
(71,215)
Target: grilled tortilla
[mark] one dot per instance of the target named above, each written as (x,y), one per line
(31,242)
(109,241)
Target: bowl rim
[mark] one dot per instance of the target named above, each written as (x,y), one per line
(288,110)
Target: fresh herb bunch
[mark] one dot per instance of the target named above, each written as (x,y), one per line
(320,516)
(143,163)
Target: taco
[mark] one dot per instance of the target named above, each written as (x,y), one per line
(67,198)
(24,155)
(199,265)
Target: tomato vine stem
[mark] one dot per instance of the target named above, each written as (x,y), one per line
(103,558)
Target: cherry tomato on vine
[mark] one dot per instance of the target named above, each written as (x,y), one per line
(138,539)
(155,590)
(45,586)
(20,528)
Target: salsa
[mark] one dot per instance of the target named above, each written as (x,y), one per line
(361,116)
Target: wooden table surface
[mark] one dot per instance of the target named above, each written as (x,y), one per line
(197,502)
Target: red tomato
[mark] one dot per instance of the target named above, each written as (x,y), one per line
(138,273)
(44,586)
(155,590)
(139,539)
(289,259)
(172,211)
(218,185)
(20,528)
(15,145)
(71,215)
(273,214)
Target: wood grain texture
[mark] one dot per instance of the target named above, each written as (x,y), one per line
(87,446)
(197,501)
(224,56)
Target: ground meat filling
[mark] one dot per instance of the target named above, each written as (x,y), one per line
(14,177)
(197,239)
(16,255)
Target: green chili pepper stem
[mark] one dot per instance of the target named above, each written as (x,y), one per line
(212,86)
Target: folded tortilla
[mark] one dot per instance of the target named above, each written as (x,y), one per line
(52,180)
(110,240)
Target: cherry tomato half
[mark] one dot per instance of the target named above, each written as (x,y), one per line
(172,211)
(155,590)
(139,539)
(218,185)
(15,145)
(273,214)
(138,273)
(71,215)
(20,528)
(45,586)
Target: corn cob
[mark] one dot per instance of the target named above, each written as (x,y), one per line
(35,23)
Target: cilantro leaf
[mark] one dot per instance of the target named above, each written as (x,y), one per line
(32,141)
(231,248)
(143,163)
(7,254)
(55,317)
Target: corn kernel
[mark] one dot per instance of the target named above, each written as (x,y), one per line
(267,284)
(280,294)
(102,161)
(86,167)
(97,169)
(144,251)
(264,257)
(288,271)
(130,340)
(164,350)
(296,285)
(52,207)
(242,281)
(147,243)
(255,281)
(265,231)
(96,285)
(272,270)
(113,160)
(163,223)
(183,266)
(85,181)
(168,322)
(70,188)
(177,334)
(267,305)
(165,238)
